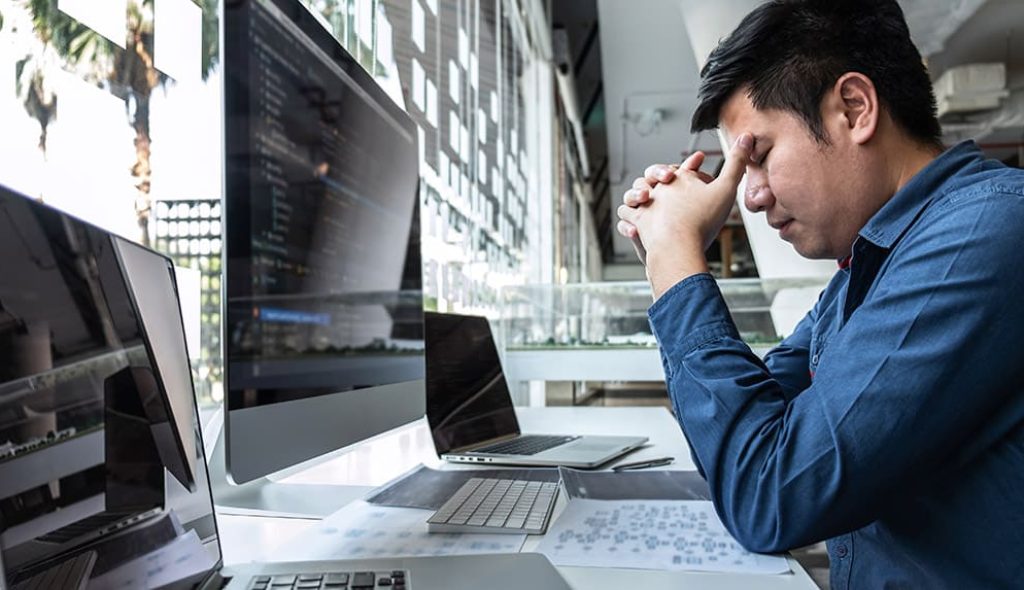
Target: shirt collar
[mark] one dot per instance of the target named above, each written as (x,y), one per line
(893,219)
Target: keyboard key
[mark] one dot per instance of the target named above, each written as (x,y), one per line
(336,579)
(283,580)
(362,580)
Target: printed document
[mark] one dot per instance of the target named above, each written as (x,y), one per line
(363,530)
(650,534)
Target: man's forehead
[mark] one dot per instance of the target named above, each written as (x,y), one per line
(737,114)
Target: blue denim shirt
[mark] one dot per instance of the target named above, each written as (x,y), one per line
(891,422)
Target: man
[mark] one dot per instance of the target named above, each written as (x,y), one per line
(891,422)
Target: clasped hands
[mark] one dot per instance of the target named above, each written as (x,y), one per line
(675,213)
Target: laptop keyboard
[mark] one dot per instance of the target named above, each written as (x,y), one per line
(72,574)
(529,444)
(391,580)
(486,505)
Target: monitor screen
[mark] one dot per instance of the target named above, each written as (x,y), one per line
(96,434)
(468,400)
(322,263)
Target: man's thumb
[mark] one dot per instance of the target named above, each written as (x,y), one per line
(736,164)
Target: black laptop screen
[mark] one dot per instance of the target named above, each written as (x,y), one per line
(468,401)
(92,459)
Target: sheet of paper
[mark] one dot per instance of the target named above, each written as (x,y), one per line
(650,534)
(181,559)
(362,530)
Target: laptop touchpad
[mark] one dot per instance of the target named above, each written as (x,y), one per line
(586,447)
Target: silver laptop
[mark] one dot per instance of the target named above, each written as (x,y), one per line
(94,490)
(470,410)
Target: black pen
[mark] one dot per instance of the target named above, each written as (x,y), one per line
(644,464)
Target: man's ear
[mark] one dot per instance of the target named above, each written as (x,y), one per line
(854,104)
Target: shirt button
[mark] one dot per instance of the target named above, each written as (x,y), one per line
(841,551)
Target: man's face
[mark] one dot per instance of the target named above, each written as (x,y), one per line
(812,194)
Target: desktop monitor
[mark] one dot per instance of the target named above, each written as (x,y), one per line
(323,319)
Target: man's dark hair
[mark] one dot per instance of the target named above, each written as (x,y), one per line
(789,53)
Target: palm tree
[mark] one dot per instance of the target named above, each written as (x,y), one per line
(135,75)
(39,100)
(127,73)
(134,78)
(63,40)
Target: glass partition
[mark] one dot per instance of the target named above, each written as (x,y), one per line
(614,314)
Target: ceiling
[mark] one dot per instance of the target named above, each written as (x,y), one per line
(636,74)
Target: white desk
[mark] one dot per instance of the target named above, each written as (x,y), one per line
(250,538)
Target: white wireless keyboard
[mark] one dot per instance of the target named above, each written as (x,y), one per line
(485,505)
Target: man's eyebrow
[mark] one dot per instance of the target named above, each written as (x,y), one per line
(757,151)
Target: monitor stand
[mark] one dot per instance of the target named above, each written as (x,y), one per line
(266,497)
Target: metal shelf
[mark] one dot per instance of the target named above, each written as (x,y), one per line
(52,462)
(106,364)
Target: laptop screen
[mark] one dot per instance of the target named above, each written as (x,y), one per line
(99,442)
(468,401)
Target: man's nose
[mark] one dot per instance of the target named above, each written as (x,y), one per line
(758,195)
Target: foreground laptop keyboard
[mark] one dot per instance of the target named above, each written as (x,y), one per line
(72,574)
(392,580)
(486,505)
(529,444)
